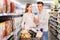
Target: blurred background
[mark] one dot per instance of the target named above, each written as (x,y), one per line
(11,12)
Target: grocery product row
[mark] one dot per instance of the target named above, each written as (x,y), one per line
(9,26)
(54,26)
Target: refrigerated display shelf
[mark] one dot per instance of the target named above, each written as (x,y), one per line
(53,17)
(5,38)
(53,30)
(11,38)
(54,35)
(54,24)
(5,14)
(12,33)
(53,27)
(5,17)
(16,33)
(9,16)
(58,30)
(54,20)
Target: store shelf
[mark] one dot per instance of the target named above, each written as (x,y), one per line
(12,33)
(4,17)
(5,38)
(58,36)
(54,20)
(54,35)
(17,30)
(53,27)
(58,30)
(53,16)
(54,24)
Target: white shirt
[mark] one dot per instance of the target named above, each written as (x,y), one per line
(43,18)
(28,19)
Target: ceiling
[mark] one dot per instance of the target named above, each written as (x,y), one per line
(26,1)
(46,2)
(49,2)
(33,1)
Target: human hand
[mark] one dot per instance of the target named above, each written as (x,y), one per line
(39,34)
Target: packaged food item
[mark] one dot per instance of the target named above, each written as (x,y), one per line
(5,5)
(16,23)
(2,28)
(12,7)
(8,27)
(8,6)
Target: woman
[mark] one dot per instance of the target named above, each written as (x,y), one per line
(28,18)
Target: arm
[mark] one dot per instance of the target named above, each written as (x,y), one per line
(36,20)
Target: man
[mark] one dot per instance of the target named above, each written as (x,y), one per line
(43,19)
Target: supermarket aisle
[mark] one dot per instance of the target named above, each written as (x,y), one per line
(12,11)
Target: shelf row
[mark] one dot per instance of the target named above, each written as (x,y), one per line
(54,35)
(9,17)
(15,32)
(54,28)
(54,24)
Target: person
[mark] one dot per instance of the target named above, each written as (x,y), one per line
(28,18)
(43,19)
